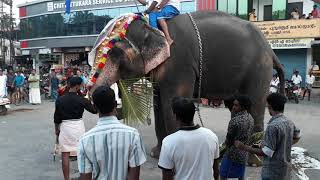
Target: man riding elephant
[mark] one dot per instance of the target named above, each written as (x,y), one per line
(159,12)
(235,53)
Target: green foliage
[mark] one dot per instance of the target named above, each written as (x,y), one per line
(136,95)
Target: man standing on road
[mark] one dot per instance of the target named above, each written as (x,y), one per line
(68,121)
(310,78)
(279,137)
(18,85)
(240,128)
(34,91)
(191,152)
(111,150)
(10,86)
(54,83)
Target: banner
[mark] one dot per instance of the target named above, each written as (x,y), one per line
(304,28)
(290,43)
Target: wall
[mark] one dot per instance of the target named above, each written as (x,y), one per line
(293,59)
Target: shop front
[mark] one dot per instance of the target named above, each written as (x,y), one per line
(292,42)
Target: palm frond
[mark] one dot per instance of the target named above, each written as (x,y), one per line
(136,97)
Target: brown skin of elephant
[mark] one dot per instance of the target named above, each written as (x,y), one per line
(236,59)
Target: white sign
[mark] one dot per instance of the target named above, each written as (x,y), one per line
(44,51)
(50,6)
(82,3)
(25,52)
(290,43)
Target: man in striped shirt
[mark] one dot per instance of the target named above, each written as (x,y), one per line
(111,150)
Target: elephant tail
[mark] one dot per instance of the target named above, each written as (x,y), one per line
(280,71)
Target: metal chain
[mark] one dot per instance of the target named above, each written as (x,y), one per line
(200,64)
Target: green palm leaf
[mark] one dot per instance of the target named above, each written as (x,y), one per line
(136,96)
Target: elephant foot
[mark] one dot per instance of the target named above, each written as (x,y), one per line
(155,152)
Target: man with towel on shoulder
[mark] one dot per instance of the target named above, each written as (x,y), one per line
(69,125)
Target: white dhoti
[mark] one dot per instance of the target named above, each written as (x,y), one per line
(70,133)
(34,96)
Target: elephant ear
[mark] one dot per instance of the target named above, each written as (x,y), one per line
(160,53)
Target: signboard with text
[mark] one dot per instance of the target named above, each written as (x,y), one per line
(75,4)
(290,43)
(306,28)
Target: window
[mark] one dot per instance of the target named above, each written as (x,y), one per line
(234,7)
(187,7)
(223,5)
(279,9)
(243,9)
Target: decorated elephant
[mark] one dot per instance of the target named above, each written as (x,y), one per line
(236,59)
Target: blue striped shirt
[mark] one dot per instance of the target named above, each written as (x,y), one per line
(108,149)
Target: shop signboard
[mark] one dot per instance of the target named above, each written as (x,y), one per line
(288,29)
(290,43)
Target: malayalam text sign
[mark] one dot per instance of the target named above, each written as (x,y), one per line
(290,43)
(304,28)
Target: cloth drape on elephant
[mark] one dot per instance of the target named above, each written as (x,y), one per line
(104,33)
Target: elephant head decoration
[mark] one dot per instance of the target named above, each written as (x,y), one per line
(127,48)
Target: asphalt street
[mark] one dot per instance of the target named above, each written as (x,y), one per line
(27,140)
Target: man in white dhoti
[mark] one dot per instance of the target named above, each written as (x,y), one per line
(34,91)
(68,121)
(3,84)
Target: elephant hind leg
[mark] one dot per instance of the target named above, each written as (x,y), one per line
(257,91)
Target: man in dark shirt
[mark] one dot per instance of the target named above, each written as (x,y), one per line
(68,123)
(10,86)
(54,83)
(240,128)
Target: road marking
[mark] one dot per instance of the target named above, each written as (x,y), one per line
(302,161)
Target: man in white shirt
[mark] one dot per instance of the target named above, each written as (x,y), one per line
(274,84)
(192,151)
(3,84)
(310,78)
(296,78)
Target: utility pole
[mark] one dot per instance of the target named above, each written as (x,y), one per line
(7,30)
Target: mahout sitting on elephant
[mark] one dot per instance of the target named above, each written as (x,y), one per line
(236,59)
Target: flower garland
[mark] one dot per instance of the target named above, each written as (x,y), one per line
(108,43)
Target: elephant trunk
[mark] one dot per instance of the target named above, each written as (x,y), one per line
(280,71)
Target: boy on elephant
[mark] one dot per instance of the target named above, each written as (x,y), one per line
(166,9)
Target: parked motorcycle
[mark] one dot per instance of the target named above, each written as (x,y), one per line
(4,105)
(292,91)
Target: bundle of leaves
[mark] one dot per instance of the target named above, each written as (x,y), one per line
(136,96)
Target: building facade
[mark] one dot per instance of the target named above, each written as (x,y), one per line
(50,36)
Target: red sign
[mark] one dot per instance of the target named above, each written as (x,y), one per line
(22,11)
(24,44)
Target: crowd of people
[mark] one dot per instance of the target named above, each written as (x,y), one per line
(296,79)
(112,150)
(20,86)
(315,13)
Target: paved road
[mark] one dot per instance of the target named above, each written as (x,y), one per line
(26,140)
